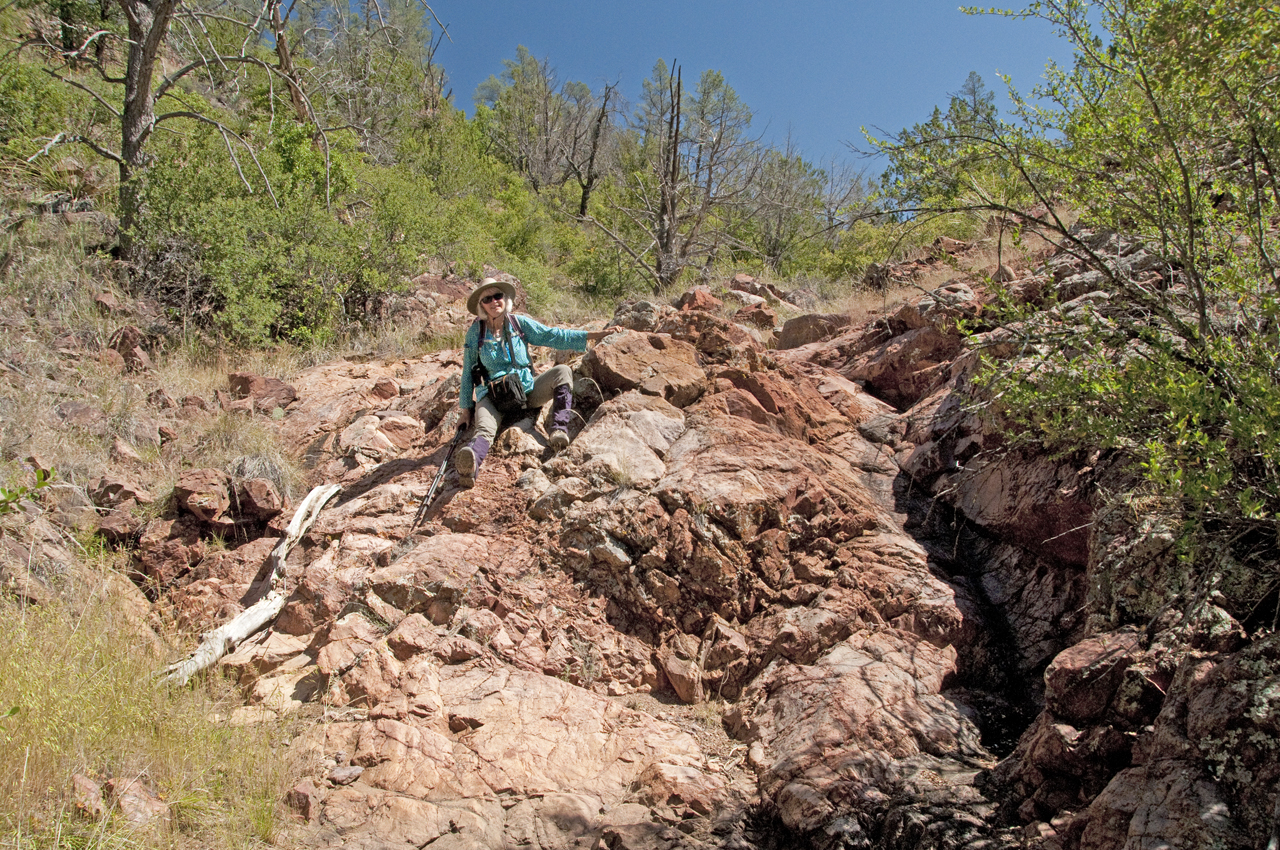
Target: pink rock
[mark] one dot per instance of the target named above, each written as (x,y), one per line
(118,526)
(116,492)
(1082,680)
(128,343)
(88,796)
(698,298)
(683,675)
(652,363)
(204,493)
(305,799)
(137,803)
(385,389)
(267,393)
(169,548)
(259,499)
(757,315)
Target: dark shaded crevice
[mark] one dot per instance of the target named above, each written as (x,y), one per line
(988,678)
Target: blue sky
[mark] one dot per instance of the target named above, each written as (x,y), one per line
(819,69)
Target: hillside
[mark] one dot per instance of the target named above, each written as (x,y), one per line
(790,596)
(933,509)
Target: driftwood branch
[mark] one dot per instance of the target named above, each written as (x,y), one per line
(225,638)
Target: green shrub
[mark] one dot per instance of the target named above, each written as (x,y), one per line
(11,496)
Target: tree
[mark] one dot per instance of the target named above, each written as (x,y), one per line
(368,66)
(586,148)
(796,206)
(1163,131)
(147,28)
(934,163)
(692,159)
(549,132)
(527,113)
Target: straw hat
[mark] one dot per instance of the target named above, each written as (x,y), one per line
(473,300)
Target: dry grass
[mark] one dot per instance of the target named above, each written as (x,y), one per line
(567,306)
(246,447)
(861,304)
(980,261)
(236,444)
(76,694)
(89,706)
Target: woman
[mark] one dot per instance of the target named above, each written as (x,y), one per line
(500,345)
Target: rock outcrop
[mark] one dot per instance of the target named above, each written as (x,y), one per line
(795,597)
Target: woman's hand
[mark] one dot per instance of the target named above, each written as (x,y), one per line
(465,415)
(596,336)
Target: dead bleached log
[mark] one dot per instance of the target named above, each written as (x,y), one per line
(225,638)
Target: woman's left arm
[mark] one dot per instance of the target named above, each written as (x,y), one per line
(596,336)
(561,339)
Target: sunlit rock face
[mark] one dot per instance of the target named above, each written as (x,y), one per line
(765,598)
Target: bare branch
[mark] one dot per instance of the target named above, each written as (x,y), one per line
(225,131)
(622,243)
(74,84)
(63,138)
(435,18)
(172,79)
(224,639)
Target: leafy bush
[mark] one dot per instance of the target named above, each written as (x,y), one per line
(271,260)
(11,496)
(1163,132)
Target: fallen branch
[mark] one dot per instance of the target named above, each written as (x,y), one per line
(225,638)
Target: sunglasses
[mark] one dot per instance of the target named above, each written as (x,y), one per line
(491,297)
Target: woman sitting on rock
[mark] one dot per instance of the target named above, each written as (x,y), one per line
(498,343)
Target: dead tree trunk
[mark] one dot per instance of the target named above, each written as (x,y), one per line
(285,58)
(148,26)
(225,638)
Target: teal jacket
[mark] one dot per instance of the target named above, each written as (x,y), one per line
(496,357)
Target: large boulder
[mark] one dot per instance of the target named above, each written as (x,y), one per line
(204,493)
(863,724)
(266,392)
(902,369)
(811,327)
(654,364)
(482,736)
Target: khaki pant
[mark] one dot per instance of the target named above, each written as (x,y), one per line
(487,417)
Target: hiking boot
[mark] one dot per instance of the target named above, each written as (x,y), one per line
(559,440)
(561,413)
(465,463)
(468,461)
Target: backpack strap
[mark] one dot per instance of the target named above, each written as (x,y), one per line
(479,374)
(513,320)
(481,327)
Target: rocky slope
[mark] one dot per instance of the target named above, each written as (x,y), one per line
(792,596)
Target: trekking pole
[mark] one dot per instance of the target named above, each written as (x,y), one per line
(435,483)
